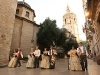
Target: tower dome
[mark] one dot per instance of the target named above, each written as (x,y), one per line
(24,3)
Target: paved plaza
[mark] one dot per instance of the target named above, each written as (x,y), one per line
(93,68)
(60,69)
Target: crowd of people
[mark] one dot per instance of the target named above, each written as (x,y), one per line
(47,62)
(77,61)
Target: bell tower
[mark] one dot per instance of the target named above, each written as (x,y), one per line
(68,9)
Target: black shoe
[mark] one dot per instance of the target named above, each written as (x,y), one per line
(19,65)
(42,68)
(83,70)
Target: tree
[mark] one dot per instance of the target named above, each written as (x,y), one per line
(49,34)
(68,45)
(61,38)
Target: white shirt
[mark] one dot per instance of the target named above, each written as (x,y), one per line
(37,53)
(50,52)
(81,50)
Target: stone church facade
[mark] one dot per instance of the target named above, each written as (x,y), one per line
(17,28)
(25,29)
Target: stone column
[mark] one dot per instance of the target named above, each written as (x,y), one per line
(7,17)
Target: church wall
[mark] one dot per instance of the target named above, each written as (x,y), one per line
(7,16)
(26,37)
(22,13)
(31,16)
(36,29)
(20,10)
(16,34)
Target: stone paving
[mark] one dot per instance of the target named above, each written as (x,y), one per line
(60,69)
(93,68)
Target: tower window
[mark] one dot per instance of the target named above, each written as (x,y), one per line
(27,14)
(74,19)
(65,21)
(17,11)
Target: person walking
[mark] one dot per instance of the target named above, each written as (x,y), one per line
(37,55)
(45,59)
(83,54)
(13,60)
(19,56)
(74,60)
(30,62)
(50,53)
(51,58)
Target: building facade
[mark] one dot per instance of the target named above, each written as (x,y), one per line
(70,23)
(7,17)
(92,26)
(25,29)
(17,28)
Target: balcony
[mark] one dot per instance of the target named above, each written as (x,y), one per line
(90,36)
(89,26)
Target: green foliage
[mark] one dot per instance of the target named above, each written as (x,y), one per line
(49,34)
(84,43)
(68,45)
(61,38)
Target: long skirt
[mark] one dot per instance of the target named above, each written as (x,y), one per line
(30,63)
(75,63)
(45,62)
(12,62)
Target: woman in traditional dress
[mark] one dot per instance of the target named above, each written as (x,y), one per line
(74,60)
(13,60)
(45,59)
(52,63)
(30,62)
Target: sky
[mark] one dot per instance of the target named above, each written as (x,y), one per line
(55,9)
